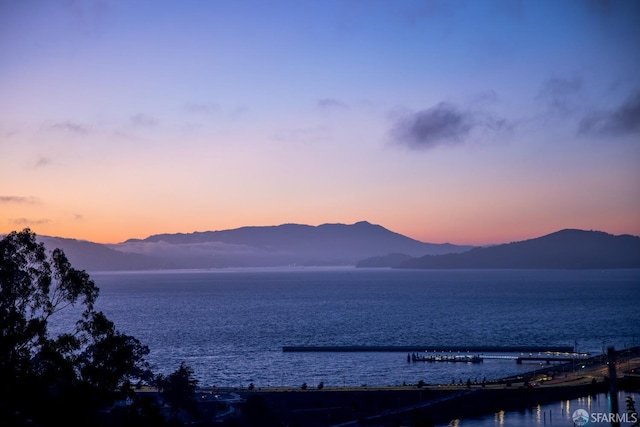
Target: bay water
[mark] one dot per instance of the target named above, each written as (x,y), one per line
(230,325)
(560,413)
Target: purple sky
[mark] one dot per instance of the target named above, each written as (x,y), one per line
(468,122)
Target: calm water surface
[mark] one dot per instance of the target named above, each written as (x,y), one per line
(230,326)
(559,414)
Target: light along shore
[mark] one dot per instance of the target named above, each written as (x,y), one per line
(441,403)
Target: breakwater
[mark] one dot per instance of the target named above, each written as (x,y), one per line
(440,403)
(421,348)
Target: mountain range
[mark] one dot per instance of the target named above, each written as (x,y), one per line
(268,246)
(361,244)
(565,249)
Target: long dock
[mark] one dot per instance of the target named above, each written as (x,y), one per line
(455,358)
(422,348)
(548,359)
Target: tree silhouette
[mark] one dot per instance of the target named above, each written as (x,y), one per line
(178,391)
(62,379)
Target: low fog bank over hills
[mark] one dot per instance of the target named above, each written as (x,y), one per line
(565,249)
(282,245)
(269,246)
(91,256)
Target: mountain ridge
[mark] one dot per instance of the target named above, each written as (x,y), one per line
(564,249)
(361,244)
(285,244)
(330,244)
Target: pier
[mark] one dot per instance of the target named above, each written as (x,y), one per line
(423,348)
(548,359)
(444,358)
(341,406)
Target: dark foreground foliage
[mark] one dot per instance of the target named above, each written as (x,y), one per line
(79,376)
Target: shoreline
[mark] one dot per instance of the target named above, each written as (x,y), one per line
(435,403)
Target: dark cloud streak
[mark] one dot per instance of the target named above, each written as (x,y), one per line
(621,121)
(424,129)
(428,128)
(142,120)
(202,108)
(443,124)
(42,161)
(24,222)
(19,199)
(70,127)
(330,103)
(559,93)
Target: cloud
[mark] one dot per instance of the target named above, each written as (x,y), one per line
(442,124)
(42,161)
(69,127)
(9,133)
(486,97)
(623,120)
(202,108)
(142,120)
(330,103)
(559,93)
(19,200)
(25,222)
(208,249)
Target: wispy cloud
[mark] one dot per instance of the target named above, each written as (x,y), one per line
(443,124)
(42,161)
(70,127)
(486,97)
(559,93)
(26,222)
(19,200)
(142,120)
(202,108)
(330,103)
(8,133)
(621,121)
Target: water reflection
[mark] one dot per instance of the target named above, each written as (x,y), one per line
(553,414)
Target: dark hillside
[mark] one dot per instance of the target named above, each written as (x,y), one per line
(287,244)
(565,249)
(91,256)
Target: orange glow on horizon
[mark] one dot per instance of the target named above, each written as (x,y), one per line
(478,236)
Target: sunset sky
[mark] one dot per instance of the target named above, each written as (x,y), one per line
(469,122)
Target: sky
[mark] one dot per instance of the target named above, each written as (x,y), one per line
(468,122)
